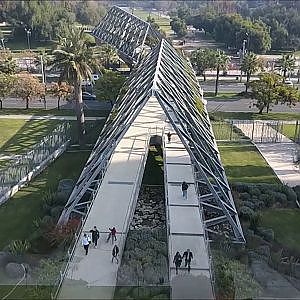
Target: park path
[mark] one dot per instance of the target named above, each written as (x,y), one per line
(280,156)
(49,117)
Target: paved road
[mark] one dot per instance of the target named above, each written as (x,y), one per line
(52,103)
(223,87)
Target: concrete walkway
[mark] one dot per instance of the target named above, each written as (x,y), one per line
(48,117)
(280,156)
(94,276)
(186,230)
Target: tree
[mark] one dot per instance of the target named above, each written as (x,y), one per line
(76,60)
(60,90)
(286,64)
(7,63)
(108,86)
(288,95)
(251,63)
(265,91)
(179,27)
(28,87)
(202,60)
(108,55)
(6,86)
(220,62)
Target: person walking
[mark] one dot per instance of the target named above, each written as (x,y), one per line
(115,253)
(169,137)
(184,188)
(95,236)
(112,235)
(85,243)
(177,261)
(188,256)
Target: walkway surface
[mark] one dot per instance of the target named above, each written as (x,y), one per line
(280,156)
(186,229)
(94,276)
(48,117)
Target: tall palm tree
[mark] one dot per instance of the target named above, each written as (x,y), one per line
(251,63)
(221,61)
(76,60)
(109,55)
(286,64)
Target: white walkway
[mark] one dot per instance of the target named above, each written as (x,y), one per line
(185,224)
(280,156)
(94,276)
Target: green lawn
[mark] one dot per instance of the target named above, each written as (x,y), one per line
(286,225)
(243,163)
(17,213)
(255,116)
(224,131)
(17,136)
(222,96)
(289,130)
(164,23)
(14,44)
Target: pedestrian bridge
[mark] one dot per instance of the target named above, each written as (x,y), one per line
(94,276)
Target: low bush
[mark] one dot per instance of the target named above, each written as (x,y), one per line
(254,191)
(248,204)
(246,213)
(245,196)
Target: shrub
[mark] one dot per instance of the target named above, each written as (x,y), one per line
(254,191)
(281,198)
(56,211)
(246,213)
(240,187)
(245,197)
(267,199)
(290,193)
(266,233)
(248,204)
(19,247)
(297,191)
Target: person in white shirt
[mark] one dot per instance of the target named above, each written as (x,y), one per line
(85,243)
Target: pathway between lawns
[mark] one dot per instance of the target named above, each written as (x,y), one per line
(49,117)
(280,156)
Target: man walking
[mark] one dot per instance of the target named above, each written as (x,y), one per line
(169,137)
(95,236)
(184,188)
(177,261)
(115,253)
(85,243)
(112,235)
(188,256)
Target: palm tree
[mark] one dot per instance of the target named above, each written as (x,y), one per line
(286,64)
(109,55)
(76,60)
(251,63)
(221,61)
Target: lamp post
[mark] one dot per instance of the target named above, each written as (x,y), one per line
(28,32)
(242,55)
(2,42)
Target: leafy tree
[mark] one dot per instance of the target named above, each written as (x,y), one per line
(288,95)
(108,86)
(179,27)
(265,91)
(108,55)
(60,90)
(286,64)
(251,63)
(220,62)
(89,12)
(76,60)
(152,22)
(7,63)
(6,86)
(28,87)
(202,60)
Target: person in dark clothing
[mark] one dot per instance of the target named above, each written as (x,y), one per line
(169,136)
(188,256)
(112,235)
(95,236)
(177,261)
(184,188)
(115,253)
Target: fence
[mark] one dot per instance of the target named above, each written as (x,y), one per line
(29,164)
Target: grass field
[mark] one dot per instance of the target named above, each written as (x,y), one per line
(243,163)
(18,213)
(289,131)
(222,96)
(286,224)
(255,116)
(224,131)
(164,23)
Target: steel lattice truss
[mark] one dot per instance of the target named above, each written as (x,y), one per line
(170,78)
(127,33)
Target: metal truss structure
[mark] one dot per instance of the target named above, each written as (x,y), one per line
(169,77)
(127,33)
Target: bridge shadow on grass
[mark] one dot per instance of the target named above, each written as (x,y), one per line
(20,135)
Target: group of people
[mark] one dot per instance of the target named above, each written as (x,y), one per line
(187,256)
(93,238)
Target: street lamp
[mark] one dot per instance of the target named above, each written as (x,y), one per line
(28,32)
(2,42)
(242,55)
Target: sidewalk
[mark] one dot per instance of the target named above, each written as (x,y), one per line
(279,156)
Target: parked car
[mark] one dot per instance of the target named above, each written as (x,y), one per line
(88,96)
